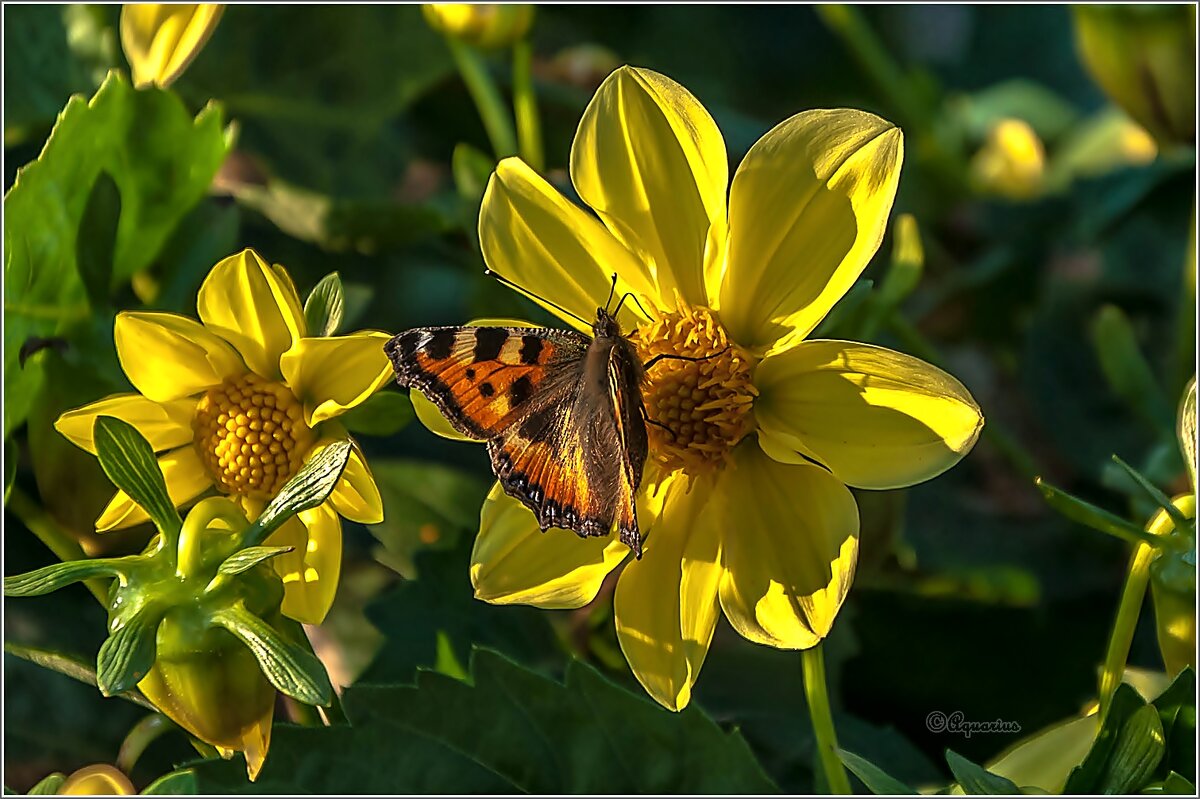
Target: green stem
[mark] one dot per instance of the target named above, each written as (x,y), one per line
(817,695)
(529,130)
(190,549)
(144,733)
(496,120)
(1128,611)
(56,539)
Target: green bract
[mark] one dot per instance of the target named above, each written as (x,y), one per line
(194,621)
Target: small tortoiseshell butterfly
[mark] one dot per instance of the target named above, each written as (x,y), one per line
(561,413)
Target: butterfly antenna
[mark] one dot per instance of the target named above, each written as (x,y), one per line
(612,291)
(505,281)
(636,302)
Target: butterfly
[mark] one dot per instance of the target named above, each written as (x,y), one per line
(561,413)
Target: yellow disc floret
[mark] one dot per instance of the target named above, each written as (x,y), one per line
(251,435)
(699,409)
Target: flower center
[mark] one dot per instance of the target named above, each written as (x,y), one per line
(251,435)
(698,410)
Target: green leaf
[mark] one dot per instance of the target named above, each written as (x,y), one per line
(1138,750)
(127,655)
(509,730)
(1153,491)
(10,466)
(128,460)
(177,783)
(308,488)
(1085,513)
(96,243)
(875,778)
(471,168)
(248,558)
(287,666)
(48,785)
(1177,711)
(72,666)
(385,413)
(59,575)
(975,779)
(162,162)
(324,307)
(1178,785)
(1126,369)
(1088,775)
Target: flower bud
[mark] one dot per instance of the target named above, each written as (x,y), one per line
(1173,586)
(1011,162)
(482,25)
(99,779)
(160,40)
(1144,57)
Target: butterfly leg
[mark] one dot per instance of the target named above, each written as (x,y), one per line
(666,356)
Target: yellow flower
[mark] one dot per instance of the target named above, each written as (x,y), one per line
(736,512)
(236,402)
(160,40)
(1011,161)
(483,25)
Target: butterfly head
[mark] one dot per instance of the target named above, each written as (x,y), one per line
(605,325)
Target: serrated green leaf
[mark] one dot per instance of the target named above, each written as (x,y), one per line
(71,666)
(324,307)
(1085,513)
(96,242)
(287,666)
(162,161)
(975,779)
(1087,776)
(48,785)
(1139,748)
(177,783)
(385,413)
(248,558)
(59,575)
(308,488)
(872,776)
(128,460)
(508,730)
(128,653)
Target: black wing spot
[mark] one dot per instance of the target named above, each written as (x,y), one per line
(487,389)
(488,341)
(531,348)
(440,345)
(470,373)
(521,390)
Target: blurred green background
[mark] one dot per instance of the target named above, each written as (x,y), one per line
(971,595)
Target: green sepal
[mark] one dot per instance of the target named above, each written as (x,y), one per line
(385,413)
(286,665)
(48,785)
(248,558)
(128,654)
(96,242)
(59,575)
(1138,750)
(1085,513)
(311,486)
(876,779)
(1161,499)
(325,306)
(975,779)
(177,783)
(128,460)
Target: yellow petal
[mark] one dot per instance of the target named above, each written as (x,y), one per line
(548,246)
(651,162)
(165,425)
(807,210)
(167,356)
(186,478)
(877,418)
(356,496)
(160,40)
(515,563)
(790,550)
(310,571)
(254,307)
(666,603)
(331,374)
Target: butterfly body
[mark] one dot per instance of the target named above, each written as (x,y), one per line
(561,414)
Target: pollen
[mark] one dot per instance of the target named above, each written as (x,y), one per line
(251,435)
(697,409)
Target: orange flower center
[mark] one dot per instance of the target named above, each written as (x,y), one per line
(698,410)
(251,435)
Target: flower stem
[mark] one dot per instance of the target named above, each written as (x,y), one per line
(56,539)
(815,692)
(1128,611)
(529,131)
(141,736)
(492,110)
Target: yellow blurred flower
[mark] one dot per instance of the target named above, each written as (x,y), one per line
(100,779)
(483,25)
(1011,161)
(736,512)
(160,39)
(236,402)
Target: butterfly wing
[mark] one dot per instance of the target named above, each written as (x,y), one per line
(483,379)
(625,397)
